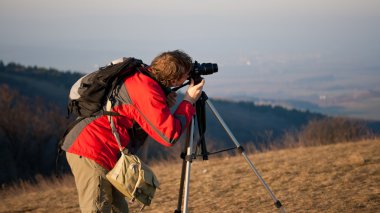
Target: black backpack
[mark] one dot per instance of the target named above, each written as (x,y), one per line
(90,93)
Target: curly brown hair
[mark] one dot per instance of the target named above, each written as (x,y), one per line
(170,65)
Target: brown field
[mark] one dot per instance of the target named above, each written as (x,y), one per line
(333,178)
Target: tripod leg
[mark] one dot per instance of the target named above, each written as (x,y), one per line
(277,203)
(186,166)
(188,158)
(183,172)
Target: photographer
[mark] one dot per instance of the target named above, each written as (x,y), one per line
(143,102)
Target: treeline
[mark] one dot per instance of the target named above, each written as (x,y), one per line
(32,81)
(50,75)
(29,131)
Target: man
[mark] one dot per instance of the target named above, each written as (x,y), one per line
(92,150)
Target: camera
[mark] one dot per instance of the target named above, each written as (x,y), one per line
(196,72)
(202,69)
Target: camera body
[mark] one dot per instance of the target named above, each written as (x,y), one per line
(202,69)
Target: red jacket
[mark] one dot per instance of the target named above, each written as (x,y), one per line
(92,137)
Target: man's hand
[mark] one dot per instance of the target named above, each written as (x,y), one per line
(194,91)
(171,99)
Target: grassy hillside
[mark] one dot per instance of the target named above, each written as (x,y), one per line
(333,178)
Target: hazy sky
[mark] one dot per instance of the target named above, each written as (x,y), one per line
(261,46)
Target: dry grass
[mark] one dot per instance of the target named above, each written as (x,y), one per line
(333,178)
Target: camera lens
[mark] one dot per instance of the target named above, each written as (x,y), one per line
(204,68)
(208,68)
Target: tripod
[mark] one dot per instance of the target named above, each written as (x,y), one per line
(188,155)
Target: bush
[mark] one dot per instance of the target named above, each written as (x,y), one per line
(328,131)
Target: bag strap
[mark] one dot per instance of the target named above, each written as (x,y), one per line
(113,127)
(110,113)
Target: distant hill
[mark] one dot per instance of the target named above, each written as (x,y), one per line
(356,104)
(49,84)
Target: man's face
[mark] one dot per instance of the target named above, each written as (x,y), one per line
(180,81)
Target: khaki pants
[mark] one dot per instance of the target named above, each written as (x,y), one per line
(95,192)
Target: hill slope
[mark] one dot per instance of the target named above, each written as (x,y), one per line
(334,178)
